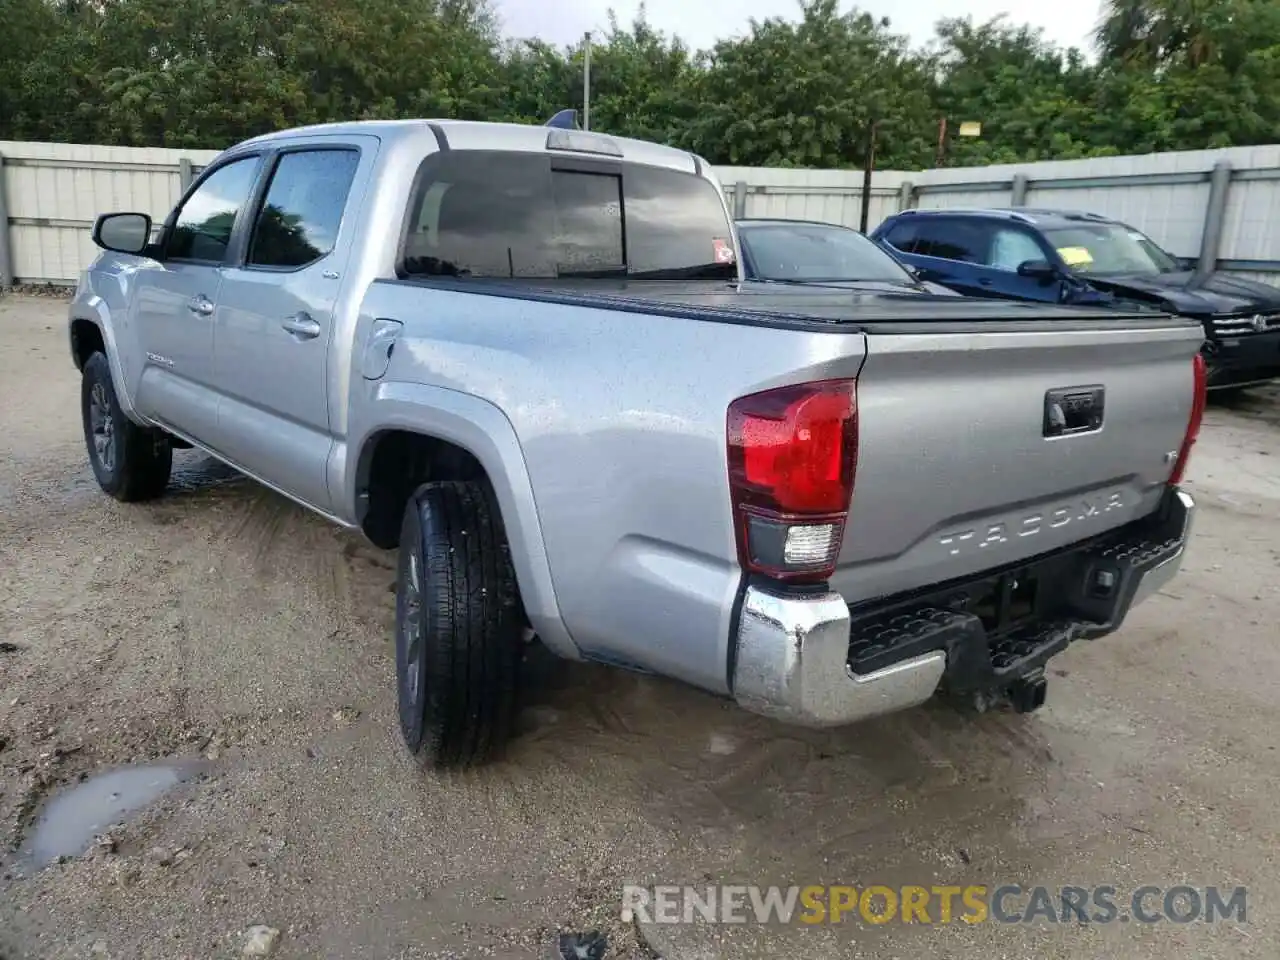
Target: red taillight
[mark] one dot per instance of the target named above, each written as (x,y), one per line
(1201,381)
(792,456)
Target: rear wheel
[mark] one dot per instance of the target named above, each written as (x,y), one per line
(130,462)
(459,626)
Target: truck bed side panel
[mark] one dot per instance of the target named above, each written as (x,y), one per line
(621,421)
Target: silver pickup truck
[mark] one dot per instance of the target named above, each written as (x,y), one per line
(526,358)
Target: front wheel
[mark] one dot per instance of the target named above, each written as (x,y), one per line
(130,462)
(458,626)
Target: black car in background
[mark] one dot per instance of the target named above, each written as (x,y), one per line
(825,255)
(1064,256)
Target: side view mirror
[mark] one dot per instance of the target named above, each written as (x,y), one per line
(122,232)
(1041,270)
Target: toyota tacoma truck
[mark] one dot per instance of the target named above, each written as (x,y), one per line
(525,358)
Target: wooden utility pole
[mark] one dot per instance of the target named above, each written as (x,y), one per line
(868,165)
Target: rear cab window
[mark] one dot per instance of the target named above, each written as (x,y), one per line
(506,215)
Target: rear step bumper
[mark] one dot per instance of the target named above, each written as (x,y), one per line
(809,660)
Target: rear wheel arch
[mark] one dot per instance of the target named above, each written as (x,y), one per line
(458,438)
(393,463)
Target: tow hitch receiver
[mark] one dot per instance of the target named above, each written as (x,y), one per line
(1028,694)
(1024,695)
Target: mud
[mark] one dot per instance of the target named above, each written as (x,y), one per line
(224,625)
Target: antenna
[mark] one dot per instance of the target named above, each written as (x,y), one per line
(565,120)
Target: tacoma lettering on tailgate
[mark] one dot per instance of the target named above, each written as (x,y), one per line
(996,534)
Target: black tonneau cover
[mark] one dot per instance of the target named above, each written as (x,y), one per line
(777,305)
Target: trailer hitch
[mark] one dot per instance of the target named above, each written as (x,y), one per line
(1024,695)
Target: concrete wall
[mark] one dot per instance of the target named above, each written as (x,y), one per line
(50,194)
(53,192)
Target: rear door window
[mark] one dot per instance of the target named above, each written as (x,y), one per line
(514,215)
(299,218)
(951,239)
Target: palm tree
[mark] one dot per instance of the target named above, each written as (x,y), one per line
(1158,32)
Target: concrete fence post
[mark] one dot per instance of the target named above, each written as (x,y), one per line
(184,175)
(1018,193)
(906,195)
(1215,216)
(739,199)
(6,250)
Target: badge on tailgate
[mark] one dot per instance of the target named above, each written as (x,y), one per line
(1072,410)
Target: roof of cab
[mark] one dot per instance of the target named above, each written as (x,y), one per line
(481,135)
(1038,216)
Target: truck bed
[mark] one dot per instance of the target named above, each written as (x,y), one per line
(618,394)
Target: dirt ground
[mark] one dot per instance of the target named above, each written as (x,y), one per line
(224,624)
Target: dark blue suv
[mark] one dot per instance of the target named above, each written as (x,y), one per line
(1063,256)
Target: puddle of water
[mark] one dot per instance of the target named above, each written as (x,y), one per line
(73,817)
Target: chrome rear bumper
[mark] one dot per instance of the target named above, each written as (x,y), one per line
(793,651)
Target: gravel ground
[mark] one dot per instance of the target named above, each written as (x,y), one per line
(226,626)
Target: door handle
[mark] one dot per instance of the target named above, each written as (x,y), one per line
(301,326)
(201,305)
(984,281)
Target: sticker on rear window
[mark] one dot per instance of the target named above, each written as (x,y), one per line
(1075,256)
(723,250)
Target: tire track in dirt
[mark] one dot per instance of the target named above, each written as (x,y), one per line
(366,576)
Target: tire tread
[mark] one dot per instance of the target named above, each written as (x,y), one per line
(472,623)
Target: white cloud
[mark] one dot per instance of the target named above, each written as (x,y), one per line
(700,22)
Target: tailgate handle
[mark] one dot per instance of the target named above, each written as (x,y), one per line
(1069,411)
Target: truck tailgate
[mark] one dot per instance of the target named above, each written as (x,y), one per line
(959,468)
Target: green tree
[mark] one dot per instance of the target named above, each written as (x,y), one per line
(644,83)
(806,94)
(44,83)
(1174,75)
(1032,99)
(1154,32)
(1207,75)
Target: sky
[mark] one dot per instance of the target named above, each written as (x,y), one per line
(701,22)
